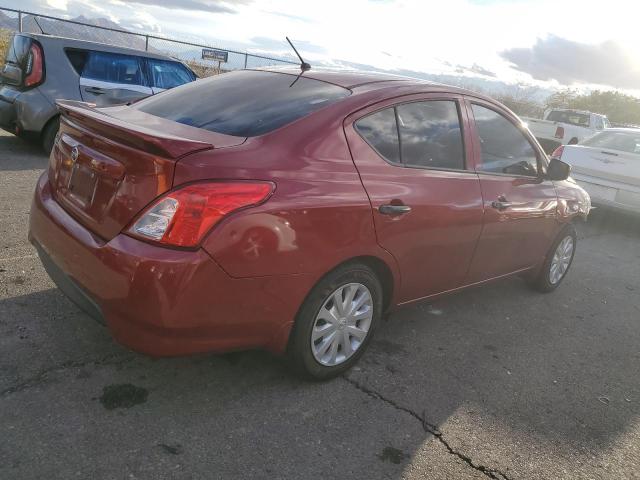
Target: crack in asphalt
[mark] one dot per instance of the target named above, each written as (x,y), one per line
(40,378)
(430,428)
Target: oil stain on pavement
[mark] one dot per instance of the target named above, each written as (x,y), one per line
(122,396)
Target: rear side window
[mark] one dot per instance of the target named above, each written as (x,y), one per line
(245,103)
(113,68)
(78,59)
(505,149)
(166,74)
(419,134)
(381,132)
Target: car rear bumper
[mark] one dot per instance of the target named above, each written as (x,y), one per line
(24,111)
(161,301)
(7,115)
(607,194)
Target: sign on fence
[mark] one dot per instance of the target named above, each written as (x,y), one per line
(216,55)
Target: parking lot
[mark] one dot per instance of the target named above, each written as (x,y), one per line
(497,382)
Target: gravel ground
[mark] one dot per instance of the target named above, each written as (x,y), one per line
(497,382)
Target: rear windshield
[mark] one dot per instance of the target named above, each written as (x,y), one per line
(622,141)
(572,118)
(245,103)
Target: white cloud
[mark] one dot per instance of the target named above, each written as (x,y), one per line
(434,36)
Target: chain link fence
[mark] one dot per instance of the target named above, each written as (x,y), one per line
(191,53)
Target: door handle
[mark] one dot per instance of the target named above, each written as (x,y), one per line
(95,90)
(394,209)
(501,203)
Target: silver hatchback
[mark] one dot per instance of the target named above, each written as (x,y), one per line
(40,69)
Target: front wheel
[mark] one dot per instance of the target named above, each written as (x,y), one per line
(336,322)
(558,261)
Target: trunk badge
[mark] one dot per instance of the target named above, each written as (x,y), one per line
(74,154)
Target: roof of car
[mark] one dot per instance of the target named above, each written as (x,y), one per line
(577,110)
(623,130)
(352,79)
(103,47)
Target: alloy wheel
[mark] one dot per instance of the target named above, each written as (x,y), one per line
(561,260)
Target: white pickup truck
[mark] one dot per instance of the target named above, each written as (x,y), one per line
(565,127)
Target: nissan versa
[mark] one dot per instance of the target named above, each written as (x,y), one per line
(287,211)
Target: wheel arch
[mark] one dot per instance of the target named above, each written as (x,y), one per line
(380,268)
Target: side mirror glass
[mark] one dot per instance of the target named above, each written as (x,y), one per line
(558,170)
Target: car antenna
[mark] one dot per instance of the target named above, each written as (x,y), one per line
(35,19)
(304,66)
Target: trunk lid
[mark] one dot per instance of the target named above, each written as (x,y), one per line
(109,163)
(608,164)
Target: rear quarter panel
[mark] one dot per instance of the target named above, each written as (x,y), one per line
(319,215)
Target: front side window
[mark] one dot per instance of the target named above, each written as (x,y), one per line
(505,149)
(113,68)
(418,134)
(166,74)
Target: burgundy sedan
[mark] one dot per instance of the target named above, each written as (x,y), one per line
(267,209)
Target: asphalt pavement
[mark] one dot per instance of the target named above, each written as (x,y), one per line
(496,382)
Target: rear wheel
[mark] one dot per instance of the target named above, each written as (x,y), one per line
(336,322)
(49,134)
(558,261)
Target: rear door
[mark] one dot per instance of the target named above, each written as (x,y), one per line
(165,74)
(519,204)
(427,205)
(111,78)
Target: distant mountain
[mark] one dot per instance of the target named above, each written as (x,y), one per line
(7,22)
(71,30)
(475,77)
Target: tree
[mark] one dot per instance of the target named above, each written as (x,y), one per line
(618,107)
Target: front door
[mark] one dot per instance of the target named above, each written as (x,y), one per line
(427,205)
(520,206)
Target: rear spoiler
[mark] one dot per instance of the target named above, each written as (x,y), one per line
(130,133)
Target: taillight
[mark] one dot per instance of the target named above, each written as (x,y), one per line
(183,217)
(35,66)
(559,132)
(557,153)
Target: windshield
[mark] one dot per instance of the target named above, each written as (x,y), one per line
(245,103)
(622,141)
(570,117)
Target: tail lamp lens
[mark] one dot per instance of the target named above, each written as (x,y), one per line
(557,153)
(35,66)
(184,216)
(559,132)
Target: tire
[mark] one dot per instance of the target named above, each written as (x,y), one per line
(546,280)
(305,355)
(49,134)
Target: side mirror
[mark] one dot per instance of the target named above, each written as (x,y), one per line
(558,170)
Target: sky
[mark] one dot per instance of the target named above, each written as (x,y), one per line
(550,43)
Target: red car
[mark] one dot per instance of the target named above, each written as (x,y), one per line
(267,209)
